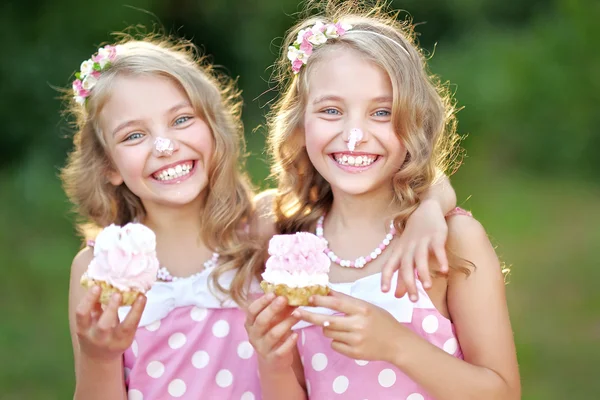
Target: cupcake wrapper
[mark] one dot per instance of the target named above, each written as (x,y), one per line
(128,297)
(295,296)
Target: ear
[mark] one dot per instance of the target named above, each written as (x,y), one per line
(114,177)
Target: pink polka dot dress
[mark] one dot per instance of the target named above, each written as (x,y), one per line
(330,375)
(190,345)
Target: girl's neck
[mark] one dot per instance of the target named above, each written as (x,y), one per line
(180,222)
(350,212)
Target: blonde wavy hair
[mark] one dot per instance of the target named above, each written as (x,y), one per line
(228,204)
(423,113)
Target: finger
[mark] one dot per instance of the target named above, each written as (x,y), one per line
(336,322)
(338,302)
(407,274)
(340,336)
(439,249)
(257,306)
(279,332)
(275,312)
(389,267)
(127,328)
(83,313)
(421,258)
(288,345)
(109,318)
(343,348)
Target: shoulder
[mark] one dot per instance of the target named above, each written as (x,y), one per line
(81,261)
(468,241)
(263,221)
(464,230)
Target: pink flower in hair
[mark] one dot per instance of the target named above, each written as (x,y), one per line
(316,35)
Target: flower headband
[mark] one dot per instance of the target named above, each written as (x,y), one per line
(302,48)
(90,71)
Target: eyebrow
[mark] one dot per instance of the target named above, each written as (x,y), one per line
(380,99)
(127,124)
(326,98)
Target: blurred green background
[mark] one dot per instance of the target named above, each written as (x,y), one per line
(526,71)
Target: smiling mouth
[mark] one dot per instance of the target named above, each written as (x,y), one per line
(362,160)
(174,171)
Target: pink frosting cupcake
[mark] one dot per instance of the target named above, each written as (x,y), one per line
(124,262)
(297,267)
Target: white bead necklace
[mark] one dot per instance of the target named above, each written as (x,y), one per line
(360,262)
(165,275)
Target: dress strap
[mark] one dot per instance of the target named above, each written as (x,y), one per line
(459,211)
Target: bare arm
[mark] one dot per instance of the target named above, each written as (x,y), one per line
(282,383)
(441,193)
(96,377)
(478,308)
(425,232)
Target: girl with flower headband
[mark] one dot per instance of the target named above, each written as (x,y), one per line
(158,141)
(356,99)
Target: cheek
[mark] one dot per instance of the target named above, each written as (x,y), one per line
(316,134)
(202,140)
(129,162)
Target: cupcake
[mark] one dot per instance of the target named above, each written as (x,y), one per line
(124,262)
(297,267)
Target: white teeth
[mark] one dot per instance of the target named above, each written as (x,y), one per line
(174,172)
(359,161)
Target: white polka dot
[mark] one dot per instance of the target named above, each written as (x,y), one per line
(200,359)
(177,340)
(245,350)
(248,396)
(134,348)
(319,362)
(126,372)
(135,395)
(451,346)
(387,378)
(153,327)
(221,328)
(155,369)
(340,384)
(430,324)
(224,378)
(177,388)
(415,396)
(198,314)
(303,337)
(362,363)
(308,388)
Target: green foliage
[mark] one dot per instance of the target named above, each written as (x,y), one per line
(525,72)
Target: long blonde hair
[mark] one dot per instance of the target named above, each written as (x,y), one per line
(228,200)
(423,114)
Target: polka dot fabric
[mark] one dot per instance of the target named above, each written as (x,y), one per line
(330,375)
(193,353)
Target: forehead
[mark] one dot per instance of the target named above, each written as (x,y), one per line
(134,97)
(347,73)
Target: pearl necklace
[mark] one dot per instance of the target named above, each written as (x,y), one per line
(165,275)
(360,262)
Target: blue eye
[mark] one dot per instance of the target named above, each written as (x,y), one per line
(182,120)
(382,113)
(331,111)
(134,136)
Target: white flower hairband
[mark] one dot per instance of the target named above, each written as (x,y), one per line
(318,34)
(90,71)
